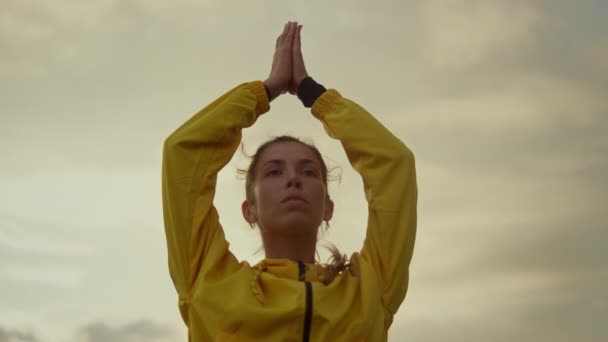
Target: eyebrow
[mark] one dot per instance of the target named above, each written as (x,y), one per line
(281,161)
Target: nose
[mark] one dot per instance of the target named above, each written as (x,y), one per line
(294,180)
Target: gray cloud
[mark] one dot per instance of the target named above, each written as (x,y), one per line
(541,281)
(136,331)
(559,313)
(560,151)
(11,335)
(29,241)
(568,250)
(534,318)
(39,261)
(574,246)
(106,76)
(49,265)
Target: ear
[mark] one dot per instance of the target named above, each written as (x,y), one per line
(329,210)
(248,212)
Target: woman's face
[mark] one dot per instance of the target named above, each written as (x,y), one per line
(284,169)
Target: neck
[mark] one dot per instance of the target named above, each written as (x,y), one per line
(295,248)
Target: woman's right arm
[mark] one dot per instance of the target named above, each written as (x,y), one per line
(192,157)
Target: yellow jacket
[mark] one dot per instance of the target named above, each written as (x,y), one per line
(222,299)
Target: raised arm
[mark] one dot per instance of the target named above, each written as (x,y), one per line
(192,157)
(388,170)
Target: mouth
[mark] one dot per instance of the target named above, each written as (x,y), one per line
(294,198)
(294,201)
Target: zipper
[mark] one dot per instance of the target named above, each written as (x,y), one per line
(308,312)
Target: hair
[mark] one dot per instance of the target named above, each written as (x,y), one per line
(337,261)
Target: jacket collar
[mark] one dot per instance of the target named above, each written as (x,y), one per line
(289,269)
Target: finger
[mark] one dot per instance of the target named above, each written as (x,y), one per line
(297,43)
(285,32)
(294,28)
(286,27)
(282,35)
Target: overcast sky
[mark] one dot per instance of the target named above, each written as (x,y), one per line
(502,102)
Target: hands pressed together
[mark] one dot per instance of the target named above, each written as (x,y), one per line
(288,68)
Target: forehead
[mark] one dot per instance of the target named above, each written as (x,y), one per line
(290,152)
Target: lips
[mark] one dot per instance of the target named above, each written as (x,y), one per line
(293,197)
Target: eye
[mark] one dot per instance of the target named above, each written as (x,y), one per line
(311,172)
(268,173)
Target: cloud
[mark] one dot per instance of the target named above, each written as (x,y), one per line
(39,263)
(48,268)
(569,250)
(465,33)
(138,331)
(535,281)
(11,335)
(135,331)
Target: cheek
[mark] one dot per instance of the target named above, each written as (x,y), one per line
(319,190)
(264,193)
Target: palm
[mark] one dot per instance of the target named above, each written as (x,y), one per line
(298,68)
(280,72)
(288,68)
(281,69)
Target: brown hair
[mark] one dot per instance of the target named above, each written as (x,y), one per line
(337,261)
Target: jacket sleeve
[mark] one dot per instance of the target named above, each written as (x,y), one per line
(192,157)
(389,178)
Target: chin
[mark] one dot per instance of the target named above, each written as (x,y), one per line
(294,226)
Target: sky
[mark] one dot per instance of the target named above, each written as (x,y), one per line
(502,102)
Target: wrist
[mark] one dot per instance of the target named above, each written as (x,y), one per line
(294,87)
(299,82)
(272,89)
(309,91)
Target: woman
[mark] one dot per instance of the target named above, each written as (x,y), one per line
(287,296)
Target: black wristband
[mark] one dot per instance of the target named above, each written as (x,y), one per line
(309,91)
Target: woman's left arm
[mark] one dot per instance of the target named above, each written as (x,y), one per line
(388,170)
(387,167)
